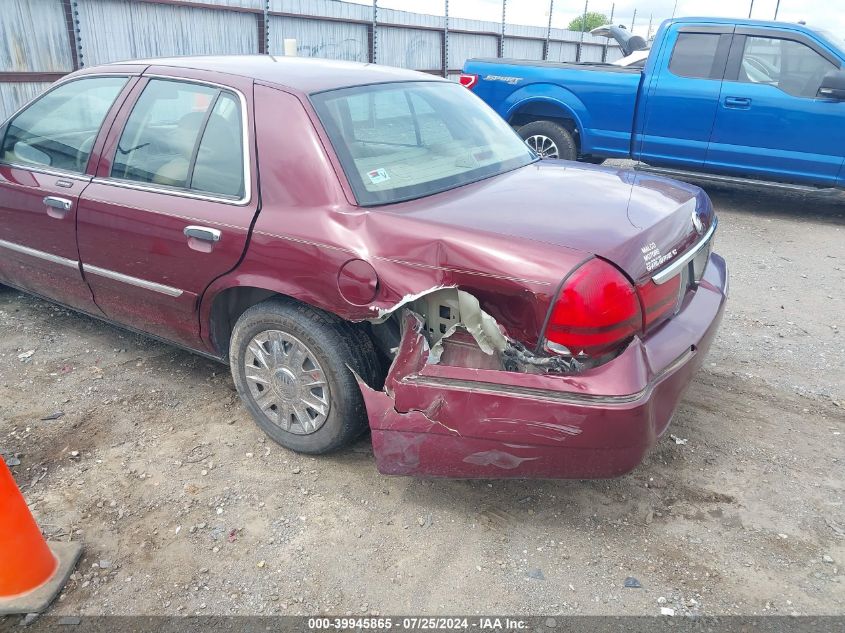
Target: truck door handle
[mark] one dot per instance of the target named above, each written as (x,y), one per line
(201,238)
(738,103)
(57,207)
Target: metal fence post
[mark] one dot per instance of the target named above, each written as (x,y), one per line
(502,35)
(71,10)
(548,31)
(445,48)
(374,35)
(583,28)
(264,29)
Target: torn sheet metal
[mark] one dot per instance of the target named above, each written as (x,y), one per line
(385,313)
(444,312)
(460,428)
(476,321)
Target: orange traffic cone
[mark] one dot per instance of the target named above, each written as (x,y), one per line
(32,571)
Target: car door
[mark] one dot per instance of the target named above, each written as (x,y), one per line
(770,122)
(682,96)
(172,202)
(44,155)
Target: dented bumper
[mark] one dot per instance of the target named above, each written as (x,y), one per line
(444,420)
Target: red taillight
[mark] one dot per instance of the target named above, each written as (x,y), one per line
(468,81)
(597,311)
(659,300)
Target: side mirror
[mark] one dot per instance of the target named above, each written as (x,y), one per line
(833,86)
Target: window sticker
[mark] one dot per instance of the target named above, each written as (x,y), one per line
(377,176)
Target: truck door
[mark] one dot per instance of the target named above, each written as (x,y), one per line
(770,122)
(682,96)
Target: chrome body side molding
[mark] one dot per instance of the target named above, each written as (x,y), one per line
(132,281)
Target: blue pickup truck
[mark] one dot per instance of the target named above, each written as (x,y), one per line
(730,98)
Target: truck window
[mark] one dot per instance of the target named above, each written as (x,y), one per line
(695,56)
(793,67)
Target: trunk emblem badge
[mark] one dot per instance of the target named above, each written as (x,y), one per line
(697,223)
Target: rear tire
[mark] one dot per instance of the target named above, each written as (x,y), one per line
(291,366)
(549,140)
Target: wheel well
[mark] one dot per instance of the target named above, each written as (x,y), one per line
(544,111)
(231,303)
(227,308)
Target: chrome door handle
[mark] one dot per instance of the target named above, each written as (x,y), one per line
(62,204)
(57,208)
(202,233)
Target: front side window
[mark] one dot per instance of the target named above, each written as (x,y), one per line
(400,141)
(58,130)
(791,66)
(694,56)
(186,136)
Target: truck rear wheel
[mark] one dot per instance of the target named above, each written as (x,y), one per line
(549,140)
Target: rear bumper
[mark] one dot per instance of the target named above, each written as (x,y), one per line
(445,421)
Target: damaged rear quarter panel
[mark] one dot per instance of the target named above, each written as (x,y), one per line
(420,427)
(449,421)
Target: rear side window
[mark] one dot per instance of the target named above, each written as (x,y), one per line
(58,130)
(791,66)
(695,56)
(407,140)
(186,136)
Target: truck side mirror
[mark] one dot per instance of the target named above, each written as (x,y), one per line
(833,86)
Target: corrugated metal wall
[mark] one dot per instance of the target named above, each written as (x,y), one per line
(463,46)
(132,30)
(523,49)
(37,46)
(316,38)
(410,48)
(33,37)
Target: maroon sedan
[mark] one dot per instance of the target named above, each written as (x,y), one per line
(368,247)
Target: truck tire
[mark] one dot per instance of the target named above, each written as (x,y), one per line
(549,140)
(291,366)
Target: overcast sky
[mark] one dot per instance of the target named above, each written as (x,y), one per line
(828,13)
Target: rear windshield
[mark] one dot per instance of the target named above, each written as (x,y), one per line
(400,141)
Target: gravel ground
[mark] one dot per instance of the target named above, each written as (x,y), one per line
(183,506)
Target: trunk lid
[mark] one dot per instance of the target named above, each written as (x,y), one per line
(640,222)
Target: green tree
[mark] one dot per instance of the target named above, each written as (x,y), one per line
(593,20)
